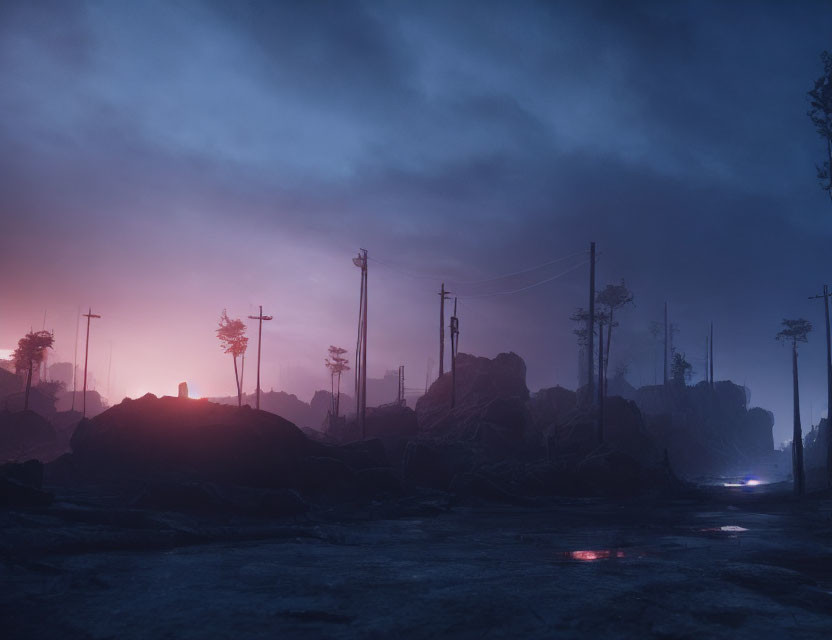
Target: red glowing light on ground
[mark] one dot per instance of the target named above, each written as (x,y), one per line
(600,554)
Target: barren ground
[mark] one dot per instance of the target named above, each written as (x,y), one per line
(420,568)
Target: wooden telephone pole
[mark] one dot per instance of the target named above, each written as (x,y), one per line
(400,395)
(89,316)
(443,295)
(711,354)
(600,382)
(259,317)
(666,336)
(454,346)
(590,330)
(75,361)
(825,295)
(361,347)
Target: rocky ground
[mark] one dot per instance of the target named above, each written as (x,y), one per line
(725,564)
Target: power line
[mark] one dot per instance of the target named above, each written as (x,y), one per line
(434,277)
(527,287)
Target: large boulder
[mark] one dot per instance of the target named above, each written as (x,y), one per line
(553,406)
(491,409)
(213,441)
(392,425)
(708,430)
(25,434)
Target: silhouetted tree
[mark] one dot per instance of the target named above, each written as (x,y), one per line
(611,298)
(30,352)
(795,331)
(581,318)
(680,369)
(337,364)
(232,336)
(820,113)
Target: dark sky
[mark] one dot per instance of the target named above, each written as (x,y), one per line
(163,160)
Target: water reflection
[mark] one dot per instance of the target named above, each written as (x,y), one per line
(596,554)
(728,528)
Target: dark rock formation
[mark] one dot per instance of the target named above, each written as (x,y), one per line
(491,411)
(217,442)
(392,425)
(28,474)
(708,431)
(95,403)
(25,434)
(14,494)
(21,483)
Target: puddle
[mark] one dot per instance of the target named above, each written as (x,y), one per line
(593,555)
(744,483)
(729,528)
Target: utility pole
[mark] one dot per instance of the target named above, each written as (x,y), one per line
(797,437)
(259,317)
(443,295)
(89,316)
(400,395)
(665,343)
(825,296)
(43,365)
(361,346)
(711,352)
(601,392)
(454,343)
(590,330)
(75,360)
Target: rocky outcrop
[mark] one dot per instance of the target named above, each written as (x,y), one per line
(197,444)
(392,425)
(708,430)
(25,434)
(491,411)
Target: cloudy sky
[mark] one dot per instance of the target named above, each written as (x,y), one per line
(164,160)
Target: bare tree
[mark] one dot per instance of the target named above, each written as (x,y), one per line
(581,319)
(680,370)
(795,331)
(612,298)
(820,113)
(30,352)
(337,364)
(233,340)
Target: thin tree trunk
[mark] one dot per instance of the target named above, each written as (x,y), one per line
(28,387)
(797,437)
(338,397)
(828,390)
(607,362)
(829,168)
(237,381)
(331,393)
(242,373)
(665,344)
